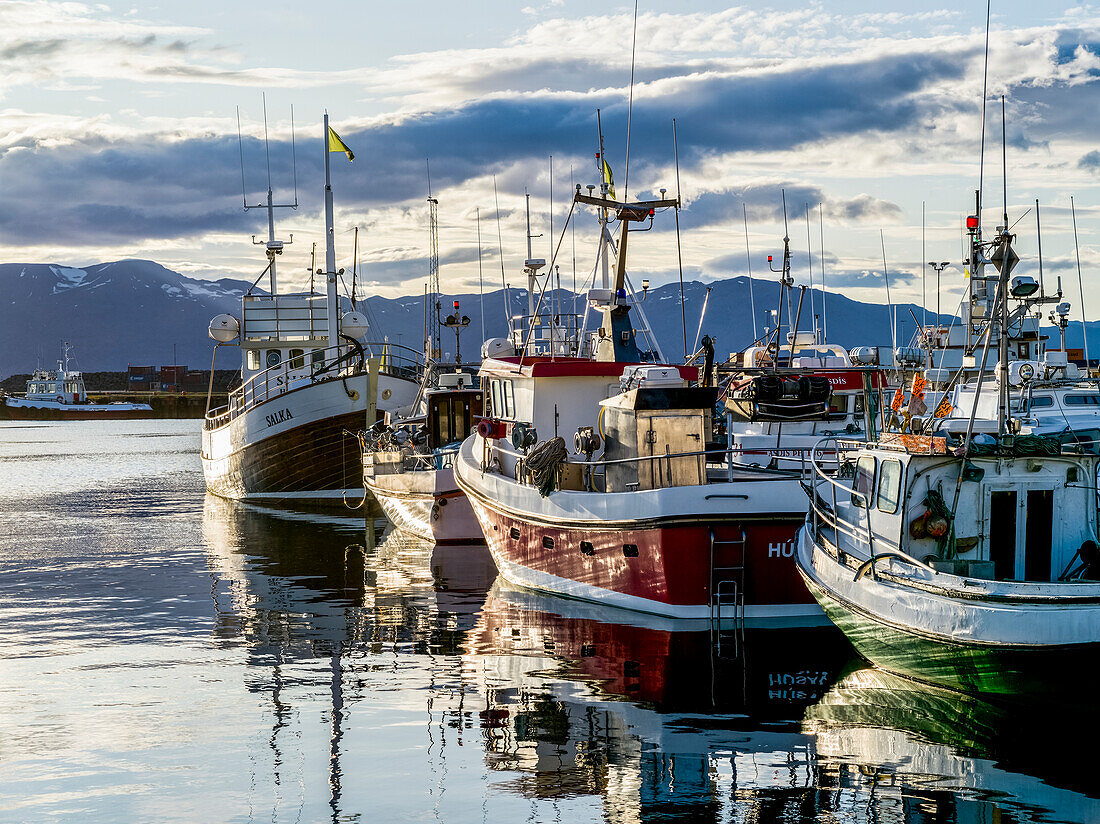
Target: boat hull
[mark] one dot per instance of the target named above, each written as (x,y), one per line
(297,447)
(427,503)
(896,641)
(17,409)
(617,549)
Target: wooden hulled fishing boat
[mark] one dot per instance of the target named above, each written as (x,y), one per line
(285,435)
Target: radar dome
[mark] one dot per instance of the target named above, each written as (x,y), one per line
(354,324)
(224,328)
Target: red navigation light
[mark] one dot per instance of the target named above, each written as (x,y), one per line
(769,258)
(456,305)
(652,212)
(972,222)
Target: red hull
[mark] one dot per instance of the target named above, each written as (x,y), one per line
(671,570)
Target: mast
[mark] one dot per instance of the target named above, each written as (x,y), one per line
(332,306)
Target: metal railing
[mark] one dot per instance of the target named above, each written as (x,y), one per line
(546,334)
(314,367)
(829,524)
(721,458)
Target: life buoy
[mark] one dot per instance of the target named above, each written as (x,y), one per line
(61,399)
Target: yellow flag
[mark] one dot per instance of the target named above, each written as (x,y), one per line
(335,144)
(609,179)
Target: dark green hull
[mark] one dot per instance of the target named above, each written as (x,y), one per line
(975,668)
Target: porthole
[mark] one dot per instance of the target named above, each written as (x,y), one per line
(547,542)
(587,548)
(514,533)
(630,550)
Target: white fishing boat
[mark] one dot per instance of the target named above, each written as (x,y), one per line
(285,435)
(408,463)
(60,395)
(974,566)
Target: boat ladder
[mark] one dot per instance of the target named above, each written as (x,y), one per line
(727,588)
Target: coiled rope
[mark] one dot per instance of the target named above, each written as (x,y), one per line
(543,462)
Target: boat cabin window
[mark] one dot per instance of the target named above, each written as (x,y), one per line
(253,358)
(1041,401)
(838,407)
(451,418)
(864,487)
(1088,440)
(889,486)
(502,399)
(317,357)
(297,359)
(273,358)
(1082,400)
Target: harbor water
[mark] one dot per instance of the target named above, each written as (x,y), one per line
(170,656)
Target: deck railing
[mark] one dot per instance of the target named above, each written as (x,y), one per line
(829,521)
(315,367)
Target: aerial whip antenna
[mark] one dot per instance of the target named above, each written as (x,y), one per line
(748,264)
(500,254)
(480,281)
(679,256)
(1080,287)
(985,86)
(889,303)
(821,262)
(240,145)
(629,106)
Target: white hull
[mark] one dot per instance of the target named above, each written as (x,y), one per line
(427,503)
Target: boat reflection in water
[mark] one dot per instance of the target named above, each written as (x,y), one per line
(936,755)
(657,719)
(395,680)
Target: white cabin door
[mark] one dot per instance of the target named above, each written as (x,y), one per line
(1019,529)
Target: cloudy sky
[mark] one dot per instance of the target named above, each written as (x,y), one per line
(118,133)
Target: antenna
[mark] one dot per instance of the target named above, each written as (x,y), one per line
(354,264)
(293,156)
(629,106)
(272,246)
(889,303)
(1004,162)
(1039,238)
(1080,287)
(924,272)
(810,264)
(500,254)
(981,155)
(480,280)
(240,145)
(433,266)
(821,261)
(679,256)
(748,263)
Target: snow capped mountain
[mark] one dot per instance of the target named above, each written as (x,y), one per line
(114,314)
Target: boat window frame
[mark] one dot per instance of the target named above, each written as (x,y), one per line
(1081,399)
(270,355)
(297,358)
(252,360)
(883,480)
(861,499)
(1047,402)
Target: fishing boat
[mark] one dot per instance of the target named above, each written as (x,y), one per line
(965,563)
(309,380)
(60,395)
(408,462)
(666,521)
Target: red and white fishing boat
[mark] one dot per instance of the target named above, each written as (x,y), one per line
(666,521)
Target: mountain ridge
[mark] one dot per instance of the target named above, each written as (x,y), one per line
(136,311)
